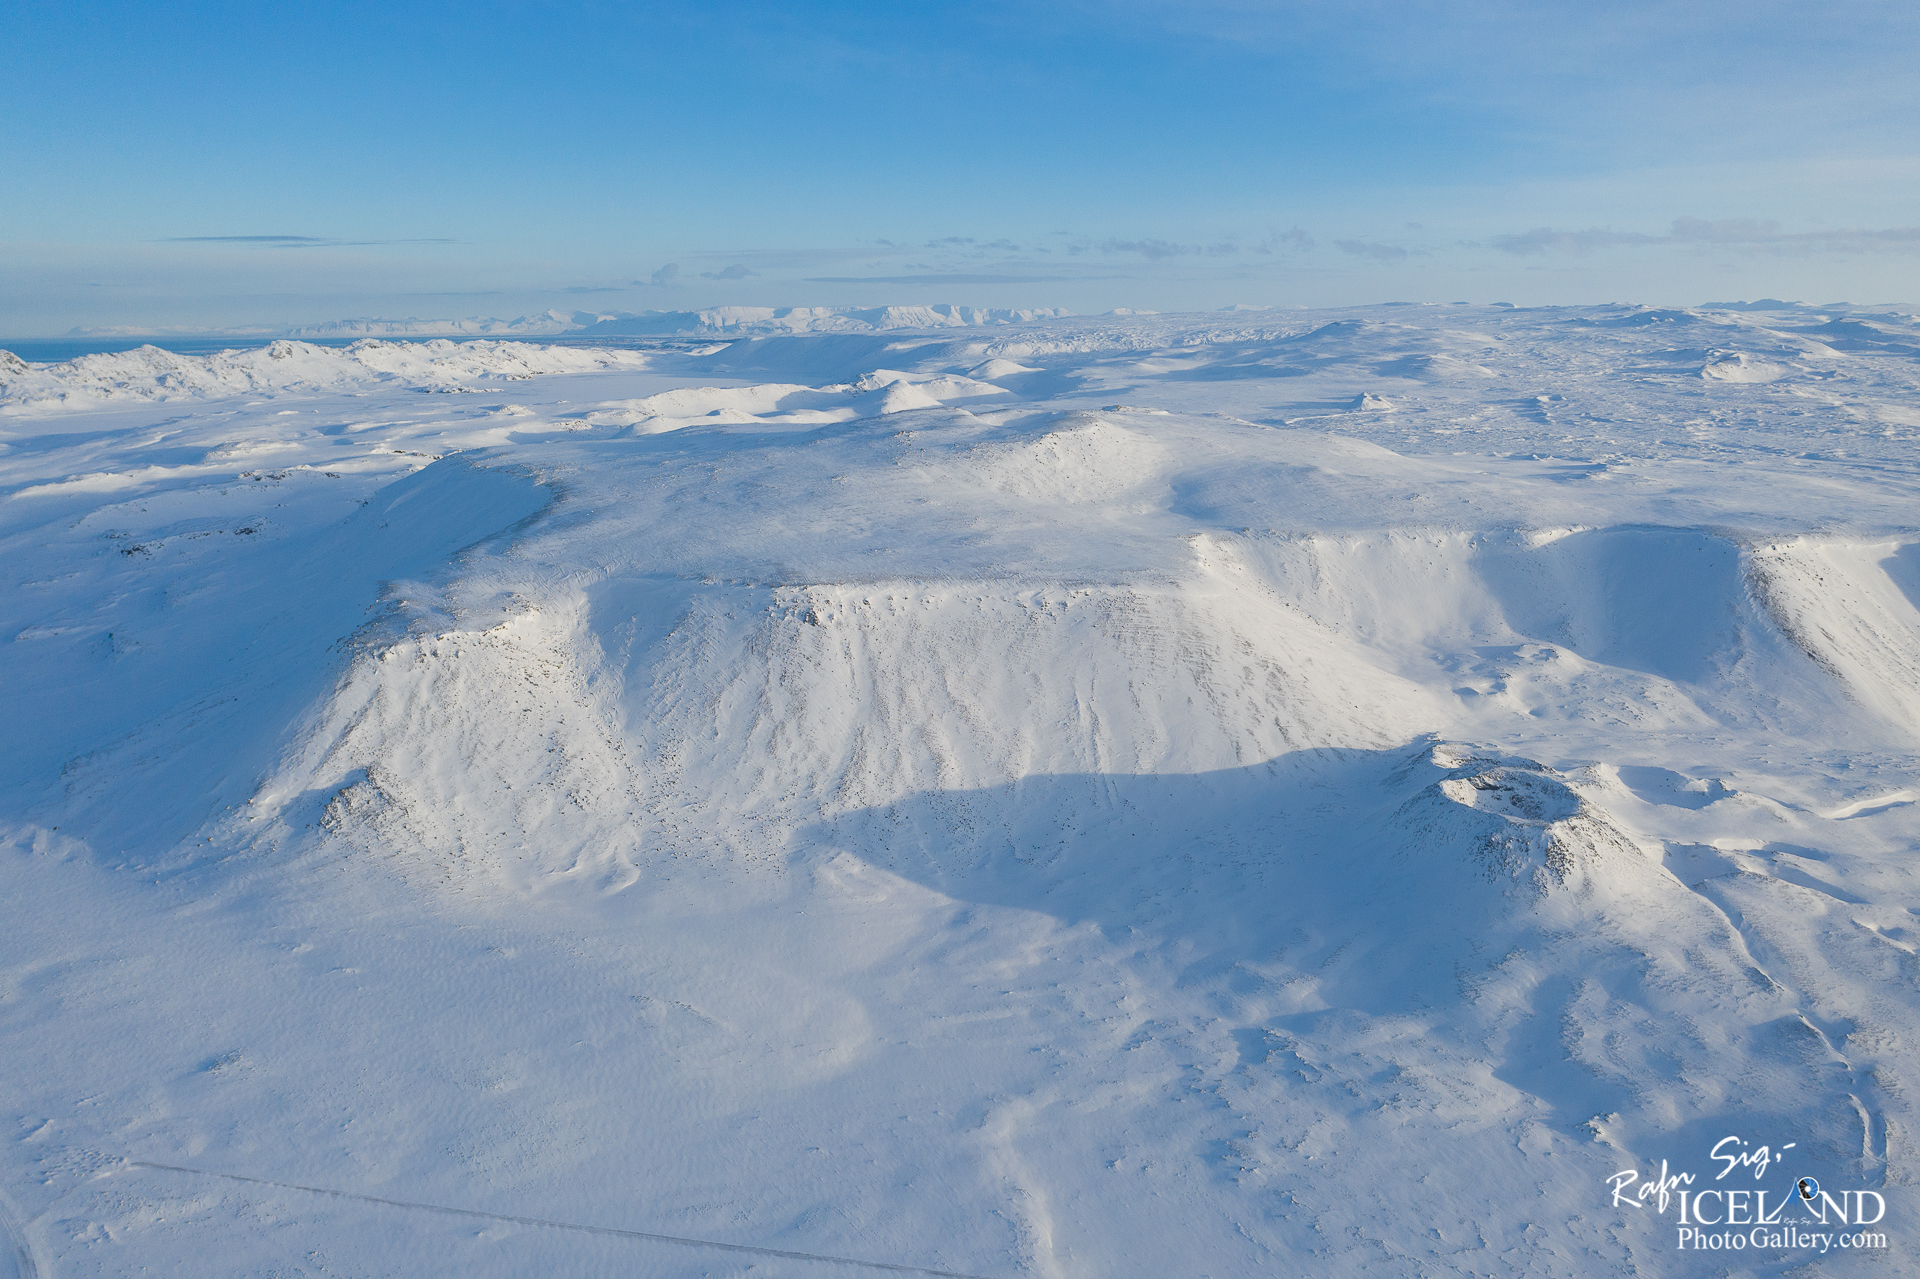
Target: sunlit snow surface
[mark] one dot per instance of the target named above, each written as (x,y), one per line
(1274,793)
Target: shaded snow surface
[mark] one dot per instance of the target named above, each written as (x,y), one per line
(1159,795)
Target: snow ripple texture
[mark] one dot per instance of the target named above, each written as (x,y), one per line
(1251,794)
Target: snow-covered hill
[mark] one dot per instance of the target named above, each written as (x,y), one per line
(1269,793)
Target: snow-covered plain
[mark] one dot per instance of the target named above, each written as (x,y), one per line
(1253,794)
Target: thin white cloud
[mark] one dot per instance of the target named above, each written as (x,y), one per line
(1369,249)
(940,279)
(1156,250)
(1740,232)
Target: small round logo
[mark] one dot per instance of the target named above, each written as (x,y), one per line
(1808,1188)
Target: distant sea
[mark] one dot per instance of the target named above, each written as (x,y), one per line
(56,350)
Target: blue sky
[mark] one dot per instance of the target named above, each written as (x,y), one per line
(500,158)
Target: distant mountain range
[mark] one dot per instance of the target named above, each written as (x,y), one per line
(729,320)
(722,319)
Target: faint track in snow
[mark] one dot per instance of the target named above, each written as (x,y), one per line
(609,1231)
(1822,1028)
(18,1252)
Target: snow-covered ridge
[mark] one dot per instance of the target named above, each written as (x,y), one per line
(149,373)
